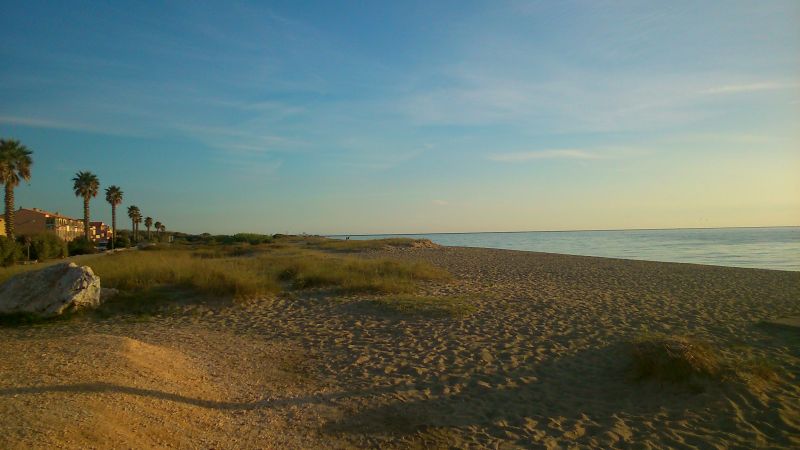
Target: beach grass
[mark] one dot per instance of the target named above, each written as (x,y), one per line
(351,275)
(674,358)
(244,271)
(687,360)
(353,245)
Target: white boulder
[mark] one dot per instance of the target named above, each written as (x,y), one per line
(51,291)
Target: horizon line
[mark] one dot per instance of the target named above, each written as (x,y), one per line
(564,231)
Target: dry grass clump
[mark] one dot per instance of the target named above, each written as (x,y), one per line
(354,245)
(674,358)
(346,274)
(216,271)
(429,306)
(135,271)
(681,359)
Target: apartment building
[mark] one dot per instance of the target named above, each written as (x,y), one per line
(34,221)
(99,231)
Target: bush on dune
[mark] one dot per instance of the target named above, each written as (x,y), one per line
(81,246)
(47,246)
(10,251)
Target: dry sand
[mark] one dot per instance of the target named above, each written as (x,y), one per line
(541,363)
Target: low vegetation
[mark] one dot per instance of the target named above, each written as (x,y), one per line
(674,358)
(139,271)
(353,245)
(252,268)
(242,271)
(47,246)
(690,361)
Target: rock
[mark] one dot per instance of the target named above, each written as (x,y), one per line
(50,291)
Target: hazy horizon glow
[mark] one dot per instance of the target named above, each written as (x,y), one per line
(413,117)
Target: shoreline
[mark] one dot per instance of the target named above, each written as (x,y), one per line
(620,259)
(563,231)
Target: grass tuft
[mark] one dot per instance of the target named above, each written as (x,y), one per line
(677,359)
(684,360)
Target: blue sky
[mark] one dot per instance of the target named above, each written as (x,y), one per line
(375,117)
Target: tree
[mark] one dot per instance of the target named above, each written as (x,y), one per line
(86,185)
(15,165)
(114,197)
(138,220)
(148,222)
(157,226)
(133,213)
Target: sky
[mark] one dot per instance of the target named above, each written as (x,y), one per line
(410,117)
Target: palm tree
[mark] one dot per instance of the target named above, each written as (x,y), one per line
(148,222)
(138,220)
(86,185)
(157,226)
(114,197)
(15,165)
(133,212)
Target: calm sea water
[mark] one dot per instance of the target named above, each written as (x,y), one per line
(765,248)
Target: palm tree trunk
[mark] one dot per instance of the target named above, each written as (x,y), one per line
(113,225)
(86,217)
(133,229)
(9,210)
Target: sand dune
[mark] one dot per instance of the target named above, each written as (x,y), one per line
(543,362)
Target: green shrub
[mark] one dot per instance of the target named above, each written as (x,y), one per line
(10,251)
(252,238)
(81,246)
(47,246)
(122,241)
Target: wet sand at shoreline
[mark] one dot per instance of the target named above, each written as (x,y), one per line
(543,361)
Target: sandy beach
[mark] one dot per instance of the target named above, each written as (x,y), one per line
(543,361)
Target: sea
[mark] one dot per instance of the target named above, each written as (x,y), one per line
(776,248)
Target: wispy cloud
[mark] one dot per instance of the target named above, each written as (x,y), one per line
(596,153)
(63,125)
(440,202)
(751,87)
(565,153)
